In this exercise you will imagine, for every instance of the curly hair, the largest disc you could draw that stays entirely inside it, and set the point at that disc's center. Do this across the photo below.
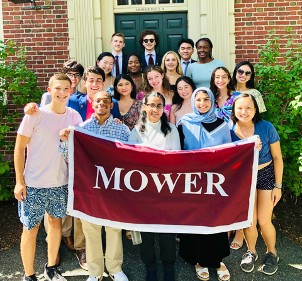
(164, 127)
(214, 88)
(178, 67)
(165, 84)
(145, 33)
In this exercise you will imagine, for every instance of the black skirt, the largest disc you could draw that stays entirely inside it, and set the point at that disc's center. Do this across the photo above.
(207, 250)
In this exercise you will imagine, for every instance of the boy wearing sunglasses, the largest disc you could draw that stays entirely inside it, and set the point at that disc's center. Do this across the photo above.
(149, 40)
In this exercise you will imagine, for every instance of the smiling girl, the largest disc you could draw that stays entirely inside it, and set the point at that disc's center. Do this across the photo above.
(155, 80)
(182, 99)
(172, 68)
(223, 89)
(246, 123)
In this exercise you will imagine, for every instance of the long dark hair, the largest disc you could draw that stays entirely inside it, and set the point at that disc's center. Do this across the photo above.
(116, 94)
(249, 84)
(101, 56)
(177, 99)
(133, 54)
(214, 88)
(165, 127)
(210, 43)
(256, 117)
(147, 87)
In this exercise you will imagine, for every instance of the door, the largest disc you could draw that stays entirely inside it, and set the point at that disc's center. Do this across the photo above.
(171, 27)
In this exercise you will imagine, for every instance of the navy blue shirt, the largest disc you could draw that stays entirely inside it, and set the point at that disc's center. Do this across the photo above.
(268, 135)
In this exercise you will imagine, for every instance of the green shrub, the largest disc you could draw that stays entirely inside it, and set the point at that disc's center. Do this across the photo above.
(18, 86)
(280, 82)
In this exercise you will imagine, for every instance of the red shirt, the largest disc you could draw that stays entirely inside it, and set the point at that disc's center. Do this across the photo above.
(89, 110)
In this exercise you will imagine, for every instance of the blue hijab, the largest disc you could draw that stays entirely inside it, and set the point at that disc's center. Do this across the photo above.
(196, 117)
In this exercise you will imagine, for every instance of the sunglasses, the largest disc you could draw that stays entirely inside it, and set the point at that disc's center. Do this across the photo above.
(241, 72)
(147, 40)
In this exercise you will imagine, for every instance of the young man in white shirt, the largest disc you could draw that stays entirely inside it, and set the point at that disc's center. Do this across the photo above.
(149, 40)
(185, 50)
(120, 60)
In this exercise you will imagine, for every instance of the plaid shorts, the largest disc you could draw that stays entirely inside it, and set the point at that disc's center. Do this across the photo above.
(266, 178)
(53, 200)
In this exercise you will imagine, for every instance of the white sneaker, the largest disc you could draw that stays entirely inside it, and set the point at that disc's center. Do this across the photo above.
(92, 278)
(120, 276)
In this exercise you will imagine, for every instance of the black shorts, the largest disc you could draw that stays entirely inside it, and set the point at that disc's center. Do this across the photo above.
(266, 178)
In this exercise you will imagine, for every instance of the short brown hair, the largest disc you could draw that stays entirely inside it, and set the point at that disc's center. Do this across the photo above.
(94, 69)
(119, 34)
(72, 65)
(60, 77)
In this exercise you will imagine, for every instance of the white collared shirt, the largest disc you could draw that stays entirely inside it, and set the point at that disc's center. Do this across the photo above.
(120, 64)
(183, 65)
(153, 57)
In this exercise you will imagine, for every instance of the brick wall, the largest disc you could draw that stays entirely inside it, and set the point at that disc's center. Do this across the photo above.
(253, 18)
(44, 32)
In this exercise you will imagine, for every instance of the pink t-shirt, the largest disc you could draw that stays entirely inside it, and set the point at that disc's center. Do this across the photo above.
(45, 166)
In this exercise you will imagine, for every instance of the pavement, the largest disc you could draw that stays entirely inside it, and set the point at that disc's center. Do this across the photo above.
(290, 264)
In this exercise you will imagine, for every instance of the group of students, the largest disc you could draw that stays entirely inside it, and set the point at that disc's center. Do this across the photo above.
(166, 102)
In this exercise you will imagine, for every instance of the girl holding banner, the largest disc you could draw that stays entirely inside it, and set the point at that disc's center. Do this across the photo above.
(154, 129)
(246, 123)
(201, 250)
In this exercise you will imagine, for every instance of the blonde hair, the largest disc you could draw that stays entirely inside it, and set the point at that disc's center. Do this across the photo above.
(178, 67)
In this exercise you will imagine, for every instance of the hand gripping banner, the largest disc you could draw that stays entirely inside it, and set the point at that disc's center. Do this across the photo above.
(140, 188)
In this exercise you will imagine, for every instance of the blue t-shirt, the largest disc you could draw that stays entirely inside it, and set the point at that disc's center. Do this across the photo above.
(267, 134)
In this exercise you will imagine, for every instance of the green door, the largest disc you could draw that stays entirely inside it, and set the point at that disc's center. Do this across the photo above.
(171, 27)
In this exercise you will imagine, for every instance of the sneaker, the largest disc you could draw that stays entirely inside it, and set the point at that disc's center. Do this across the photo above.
(92, 278)
(120, 276)
(30, 278)
(270, 265)
(248, 260)
(52, 273)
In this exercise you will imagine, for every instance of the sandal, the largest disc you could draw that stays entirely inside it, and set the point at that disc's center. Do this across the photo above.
(235, 245)
(222, 273)
(199, 271)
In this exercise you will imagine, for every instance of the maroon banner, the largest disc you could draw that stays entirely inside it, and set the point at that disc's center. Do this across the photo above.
(141, 188)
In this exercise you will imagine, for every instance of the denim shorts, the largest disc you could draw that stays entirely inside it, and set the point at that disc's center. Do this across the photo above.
(52, 200)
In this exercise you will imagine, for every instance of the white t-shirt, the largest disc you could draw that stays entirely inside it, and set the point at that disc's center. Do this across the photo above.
(45, 166)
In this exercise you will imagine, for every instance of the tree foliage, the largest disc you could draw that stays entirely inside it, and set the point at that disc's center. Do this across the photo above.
(18, 85)
(280, 82)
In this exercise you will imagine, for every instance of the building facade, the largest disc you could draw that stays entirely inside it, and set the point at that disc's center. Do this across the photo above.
(81, 29)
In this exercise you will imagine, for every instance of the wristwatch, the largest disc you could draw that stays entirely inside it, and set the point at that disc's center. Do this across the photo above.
(278, 185)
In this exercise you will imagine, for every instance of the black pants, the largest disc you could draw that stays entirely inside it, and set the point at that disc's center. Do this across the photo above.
(167, 246)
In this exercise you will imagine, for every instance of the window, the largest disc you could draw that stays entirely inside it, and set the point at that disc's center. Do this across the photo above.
(147, 2)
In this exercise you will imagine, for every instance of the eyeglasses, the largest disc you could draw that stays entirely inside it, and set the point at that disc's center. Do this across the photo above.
(75, 75)
(158, 106)
(147, 40)
(241, 72)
